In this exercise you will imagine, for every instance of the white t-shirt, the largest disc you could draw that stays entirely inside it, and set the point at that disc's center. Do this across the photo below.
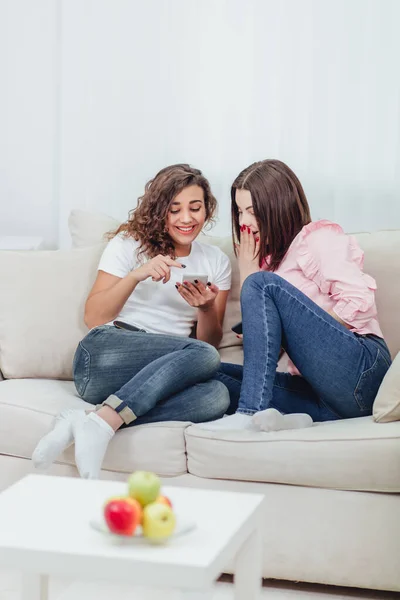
(158, 307)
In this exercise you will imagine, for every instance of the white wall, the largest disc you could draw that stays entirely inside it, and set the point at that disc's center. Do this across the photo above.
(124, 87)
(28, 153)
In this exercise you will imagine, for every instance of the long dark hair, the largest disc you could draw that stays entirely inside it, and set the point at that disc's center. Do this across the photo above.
(146, 223)
(280, 207)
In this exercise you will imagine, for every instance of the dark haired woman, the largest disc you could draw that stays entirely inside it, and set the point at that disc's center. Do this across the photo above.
(145, 368)
(304, 291)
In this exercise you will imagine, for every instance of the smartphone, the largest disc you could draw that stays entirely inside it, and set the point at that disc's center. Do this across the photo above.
(127, 326)
(237, 328)
(191, 278)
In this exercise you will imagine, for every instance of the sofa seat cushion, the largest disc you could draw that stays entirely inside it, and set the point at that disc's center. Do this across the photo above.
(353, 454)
(27, 409)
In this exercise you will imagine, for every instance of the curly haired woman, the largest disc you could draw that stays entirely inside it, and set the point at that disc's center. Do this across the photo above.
(138, 364)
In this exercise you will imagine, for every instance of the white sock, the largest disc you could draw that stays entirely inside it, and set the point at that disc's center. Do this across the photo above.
(57, 440)
(231, 423)
(272, 420)
(92, 436)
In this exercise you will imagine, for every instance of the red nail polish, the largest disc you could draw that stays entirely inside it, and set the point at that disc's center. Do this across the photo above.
(257, 239)
(248, 230)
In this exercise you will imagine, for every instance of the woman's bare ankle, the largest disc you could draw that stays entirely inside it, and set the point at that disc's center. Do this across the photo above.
(110, 416)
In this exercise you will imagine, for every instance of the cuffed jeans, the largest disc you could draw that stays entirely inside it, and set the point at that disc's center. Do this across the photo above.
(148, 377)
(341, 371)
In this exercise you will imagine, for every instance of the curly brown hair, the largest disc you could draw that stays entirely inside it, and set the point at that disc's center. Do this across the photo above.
(147, 222)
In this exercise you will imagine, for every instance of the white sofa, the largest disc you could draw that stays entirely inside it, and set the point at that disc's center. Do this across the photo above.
(332, 513)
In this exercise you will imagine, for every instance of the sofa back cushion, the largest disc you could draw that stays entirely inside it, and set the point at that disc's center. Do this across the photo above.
(89, 228)
(387, 401)
(382, 261)
(41, 310)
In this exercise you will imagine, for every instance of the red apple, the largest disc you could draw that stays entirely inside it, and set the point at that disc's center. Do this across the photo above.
(122, 515)
(164, 500)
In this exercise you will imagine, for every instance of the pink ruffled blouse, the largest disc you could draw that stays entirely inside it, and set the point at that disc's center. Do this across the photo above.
(326, 265)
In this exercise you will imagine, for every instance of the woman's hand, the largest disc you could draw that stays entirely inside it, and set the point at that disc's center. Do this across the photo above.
(157, 268)
(248, 253)
(198, 295)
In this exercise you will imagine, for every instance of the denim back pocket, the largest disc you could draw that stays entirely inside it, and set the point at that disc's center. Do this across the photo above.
(369, 382)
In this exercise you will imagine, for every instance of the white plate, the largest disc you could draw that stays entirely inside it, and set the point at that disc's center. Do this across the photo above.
(182, 528)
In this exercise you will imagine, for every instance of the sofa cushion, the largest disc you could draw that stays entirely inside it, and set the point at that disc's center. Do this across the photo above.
(387, 401)
(89, 228)
(41, 310)
(381, 254)
(27, 409)
(353, 454)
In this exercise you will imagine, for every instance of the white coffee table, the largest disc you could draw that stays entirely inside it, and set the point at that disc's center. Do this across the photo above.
(44, 531)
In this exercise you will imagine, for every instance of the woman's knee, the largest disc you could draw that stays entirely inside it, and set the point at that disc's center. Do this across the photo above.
(222, 393)
(88, 376)
(81, 369)
(214, 403)
(257, 281)
(208, 357)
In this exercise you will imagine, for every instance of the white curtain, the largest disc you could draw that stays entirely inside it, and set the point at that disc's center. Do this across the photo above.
(220, 84)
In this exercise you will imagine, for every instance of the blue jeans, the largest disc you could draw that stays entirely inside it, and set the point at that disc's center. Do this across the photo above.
(341, 371)
(148, 378)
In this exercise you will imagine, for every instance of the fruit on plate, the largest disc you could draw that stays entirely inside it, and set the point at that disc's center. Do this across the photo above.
(144, 487)
(122, 515)
(164, 500)
(158, 521)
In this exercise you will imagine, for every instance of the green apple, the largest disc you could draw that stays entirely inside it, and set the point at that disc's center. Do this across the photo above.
(158, 522)
(144, 487)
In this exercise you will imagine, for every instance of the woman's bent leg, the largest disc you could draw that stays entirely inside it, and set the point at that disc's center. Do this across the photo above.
(290, 394)
(133, 372)
(231, 376)
(106, 361)
(331, 359)
(159, 366)
(343, 370)
(199, 403)
(294, 403)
